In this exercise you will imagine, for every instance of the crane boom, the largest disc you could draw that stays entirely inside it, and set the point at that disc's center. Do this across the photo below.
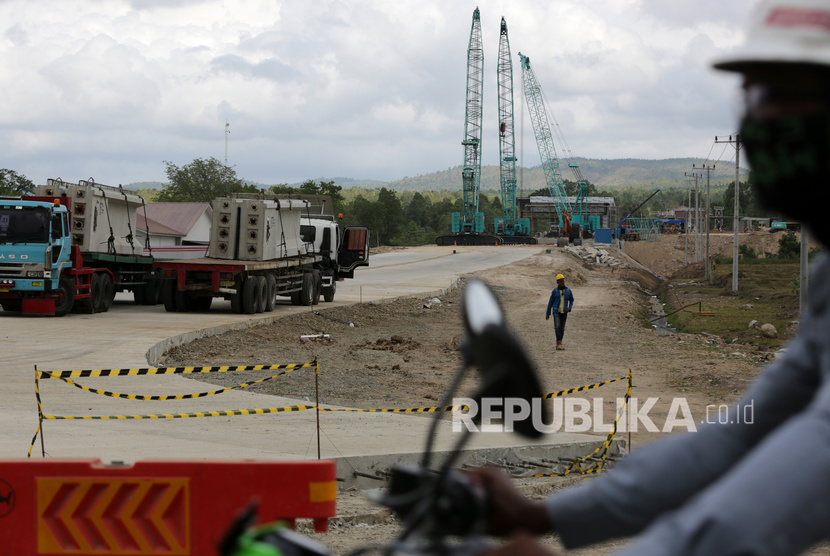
(470, 219)
(544, 140)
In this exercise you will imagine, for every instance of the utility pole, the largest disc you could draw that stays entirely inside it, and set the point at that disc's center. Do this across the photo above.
(708, 272)
(227, 134)
(686, 224)
(695, 176)
(736, 221)
(698, 249)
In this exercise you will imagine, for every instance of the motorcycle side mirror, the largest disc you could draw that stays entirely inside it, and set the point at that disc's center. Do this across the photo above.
(506, 372)
(481, 308)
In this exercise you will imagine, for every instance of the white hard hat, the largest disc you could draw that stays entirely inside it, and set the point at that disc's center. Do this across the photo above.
(784, 31)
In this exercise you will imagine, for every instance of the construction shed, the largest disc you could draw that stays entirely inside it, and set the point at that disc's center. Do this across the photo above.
(542, 211)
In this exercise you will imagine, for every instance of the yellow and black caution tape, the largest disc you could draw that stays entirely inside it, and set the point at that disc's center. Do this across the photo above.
(196, 414)
(582, 388)
(39, 414)
(173, 396)
(410, 410)
(97, 373)
(464, 407)
(601, 453)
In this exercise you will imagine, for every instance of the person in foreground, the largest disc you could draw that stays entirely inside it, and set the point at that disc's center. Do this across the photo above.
(561, 303)
(759, 484)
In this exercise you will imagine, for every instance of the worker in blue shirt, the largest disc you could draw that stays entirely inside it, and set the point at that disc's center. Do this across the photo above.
(560, 304)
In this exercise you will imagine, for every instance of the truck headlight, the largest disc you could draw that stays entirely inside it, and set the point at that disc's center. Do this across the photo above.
(34, 274)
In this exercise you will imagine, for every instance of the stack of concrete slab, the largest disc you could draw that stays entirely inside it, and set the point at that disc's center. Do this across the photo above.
(270, 229)
(103, 217)
(595, 256)
(224, 229)
(256, 229)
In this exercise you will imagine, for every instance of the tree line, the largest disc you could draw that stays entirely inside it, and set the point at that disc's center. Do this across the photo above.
(406, 218)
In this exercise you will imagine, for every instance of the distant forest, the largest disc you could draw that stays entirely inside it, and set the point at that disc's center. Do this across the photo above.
(415, 210)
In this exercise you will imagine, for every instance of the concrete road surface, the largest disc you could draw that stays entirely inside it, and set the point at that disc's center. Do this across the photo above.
(128, 334)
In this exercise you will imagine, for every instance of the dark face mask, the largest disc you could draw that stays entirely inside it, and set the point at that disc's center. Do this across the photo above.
(790, 159)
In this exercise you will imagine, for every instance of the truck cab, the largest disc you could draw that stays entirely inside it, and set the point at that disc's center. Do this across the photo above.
(342, 252)
(34, 249)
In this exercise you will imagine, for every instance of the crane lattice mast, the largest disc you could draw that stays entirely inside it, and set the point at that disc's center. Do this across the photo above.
(510, 225)
(471, 220)
(544, 140)
(507, 142)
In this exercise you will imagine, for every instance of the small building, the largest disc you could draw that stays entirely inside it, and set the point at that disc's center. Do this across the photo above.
(176, 230)
(682, 213)
(542, 211)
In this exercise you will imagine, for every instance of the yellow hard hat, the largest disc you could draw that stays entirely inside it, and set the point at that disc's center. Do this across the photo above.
(560, 277)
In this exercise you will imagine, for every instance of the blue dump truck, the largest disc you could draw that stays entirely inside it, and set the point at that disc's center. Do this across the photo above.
(71, 246)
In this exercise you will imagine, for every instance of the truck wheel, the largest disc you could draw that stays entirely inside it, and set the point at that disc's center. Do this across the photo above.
(307, 291)
(88, 305)
(151, 289)
(236, 301)
(249, 297)
(261, 294)
(318, 287)
(296, 298)
(107, 293)
(328, 293)
(271, 285)
(169, 295)
(158, 283)
(148, 293)
(139, 295)
(66, 296)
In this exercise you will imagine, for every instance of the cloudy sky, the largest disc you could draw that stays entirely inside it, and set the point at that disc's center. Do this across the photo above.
(367, 89)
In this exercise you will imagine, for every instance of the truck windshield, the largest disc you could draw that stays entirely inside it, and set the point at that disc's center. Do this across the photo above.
(24, 225)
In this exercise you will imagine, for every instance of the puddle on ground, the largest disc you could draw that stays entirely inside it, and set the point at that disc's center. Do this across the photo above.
(658, 317)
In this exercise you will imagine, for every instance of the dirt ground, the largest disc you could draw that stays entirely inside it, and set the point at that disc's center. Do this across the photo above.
(403, 354)
(669, 255)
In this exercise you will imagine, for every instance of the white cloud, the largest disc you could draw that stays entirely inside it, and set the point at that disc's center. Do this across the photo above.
(360, 88)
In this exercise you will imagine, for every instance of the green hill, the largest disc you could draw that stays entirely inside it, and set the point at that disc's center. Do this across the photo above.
(606, 174)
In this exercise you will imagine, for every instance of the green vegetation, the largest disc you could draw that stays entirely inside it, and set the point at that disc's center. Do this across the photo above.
(203, 180)
(767, 292)
(310, 187)
(12, 183)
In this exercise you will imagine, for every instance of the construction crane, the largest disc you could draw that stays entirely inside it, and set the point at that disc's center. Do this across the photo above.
(510, 227)
(550, 162)
(468, 225)
(619, 230)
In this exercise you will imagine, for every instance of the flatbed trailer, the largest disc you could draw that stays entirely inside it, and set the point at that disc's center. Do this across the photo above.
(253, 286)
(250, 286)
